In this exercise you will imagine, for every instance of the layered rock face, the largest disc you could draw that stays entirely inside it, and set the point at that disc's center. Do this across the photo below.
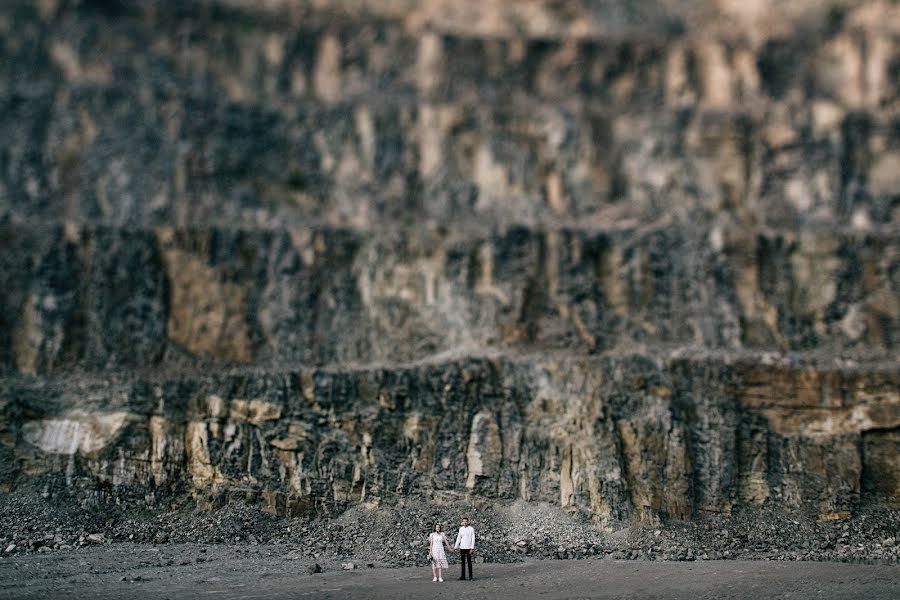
(637, 260)
(614, 438)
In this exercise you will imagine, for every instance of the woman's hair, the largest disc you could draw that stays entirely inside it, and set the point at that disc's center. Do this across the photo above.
(436, 525)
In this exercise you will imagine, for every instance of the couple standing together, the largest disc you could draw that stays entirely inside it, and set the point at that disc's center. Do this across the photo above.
(465, 543)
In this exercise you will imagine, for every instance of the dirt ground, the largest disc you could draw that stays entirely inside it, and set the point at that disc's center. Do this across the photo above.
(225, 573)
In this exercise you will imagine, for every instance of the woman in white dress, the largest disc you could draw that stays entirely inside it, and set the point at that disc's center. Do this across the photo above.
(436, 542)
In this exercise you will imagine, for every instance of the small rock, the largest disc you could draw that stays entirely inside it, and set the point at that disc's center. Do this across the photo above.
(349, 566)
(95, 538)
(10, 549)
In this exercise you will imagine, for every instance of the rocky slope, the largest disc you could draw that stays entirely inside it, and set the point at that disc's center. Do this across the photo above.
(638, 260)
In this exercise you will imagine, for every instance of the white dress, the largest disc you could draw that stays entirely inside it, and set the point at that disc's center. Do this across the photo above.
(438, 557)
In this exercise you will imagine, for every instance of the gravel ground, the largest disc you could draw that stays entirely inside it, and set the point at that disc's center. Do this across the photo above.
(266, 571)
(395, 536)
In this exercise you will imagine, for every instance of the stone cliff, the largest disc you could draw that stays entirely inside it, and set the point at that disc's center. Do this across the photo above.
(638, 260)
(614, 438)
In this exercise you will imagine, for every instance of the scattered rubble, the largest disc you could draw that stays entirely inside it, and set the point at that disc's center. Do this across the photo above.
(396, 536)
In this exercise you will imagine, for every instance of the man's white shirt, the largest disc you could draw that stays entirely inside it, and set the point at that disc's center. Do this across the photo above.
(465, 539)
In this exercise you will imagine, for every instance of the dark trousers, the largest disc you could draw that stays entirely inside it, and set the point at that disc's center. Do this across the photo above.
(465, 556)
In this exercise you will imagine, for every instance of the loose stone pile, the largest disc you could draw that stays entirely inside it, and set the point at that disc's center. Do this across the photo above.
(396, 536)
